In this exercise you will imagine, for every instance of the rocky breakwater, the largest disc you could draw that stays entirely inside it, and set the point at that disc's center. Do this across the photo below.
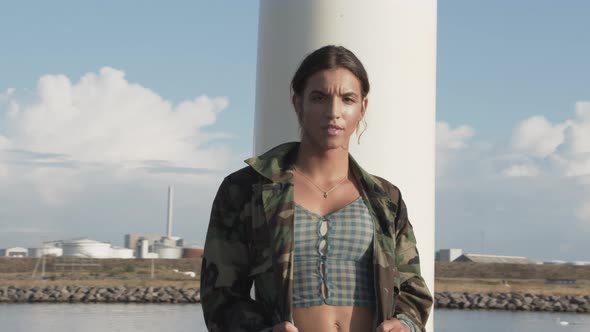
(513, 301)
(82, 294)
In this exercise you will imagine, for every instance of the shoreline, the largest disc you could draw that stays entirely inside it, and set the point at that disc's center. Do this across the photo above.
(460, 286)
(513, 302)
(191, 295)
(90, 294)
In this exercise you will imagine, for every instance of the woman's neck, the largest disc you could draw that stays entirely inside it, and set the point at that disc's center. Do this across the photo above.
(322, 165)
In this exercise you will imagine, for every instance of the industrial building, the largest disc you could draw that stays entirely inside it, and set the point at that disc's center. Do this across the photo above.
(475, 258)
(158, 246)
(121, 252)
(94, 249)
(448, 255)
(14, 252)
(192, 251)
(136, 245)
(45, 251)
(131, 240)
(144, 250)
(560, 262)
(86, 248)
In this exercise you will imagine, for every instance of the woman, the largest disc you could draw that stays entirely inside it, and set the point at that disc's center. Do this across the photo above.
(328, 246)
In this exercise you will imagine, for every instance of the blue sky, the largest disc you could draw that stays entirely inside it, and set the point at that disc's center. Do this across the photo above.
(502, 61)
(512, 159)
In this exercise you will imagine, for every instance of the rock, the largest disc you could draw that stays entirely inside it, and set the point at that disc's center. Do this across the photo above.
(443, 302)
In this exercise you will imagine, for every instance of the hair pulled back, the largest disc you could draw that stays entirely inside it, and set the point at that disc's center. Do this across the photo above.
(329, 57)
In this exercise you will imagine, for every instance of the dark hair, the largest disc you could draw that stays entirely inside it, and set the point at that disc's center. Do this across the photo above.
(329, 57)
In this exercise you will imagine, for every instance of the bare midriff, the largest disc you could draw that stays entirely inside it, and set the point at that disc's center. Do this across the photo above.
(331, 318)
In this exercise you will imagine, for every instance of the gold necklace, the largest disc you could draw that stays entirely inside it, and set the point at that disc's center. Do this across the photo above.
(325, 192)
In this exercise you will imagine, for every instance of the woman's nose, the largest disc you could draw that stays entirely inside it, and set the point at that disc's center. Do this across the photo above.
(334, 108)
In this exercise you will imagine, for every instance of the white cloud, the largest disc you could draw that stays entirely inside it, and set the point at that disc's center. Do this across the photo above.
(5, 95)
(566, 145)
(104, 122)
(449, 142)
(448, 138)
(522, 170)
(562, 147)
(476, 189)
(538, 137)
(580, 129)
(4, 145)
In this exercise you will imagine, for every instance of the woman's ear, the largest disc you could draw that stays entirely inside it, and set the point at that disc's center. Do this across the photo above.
(365, 106)
(298, 107)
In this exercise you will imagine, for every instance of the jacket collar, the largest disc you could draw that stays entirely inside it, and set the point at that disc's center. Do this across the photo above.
(276, 162)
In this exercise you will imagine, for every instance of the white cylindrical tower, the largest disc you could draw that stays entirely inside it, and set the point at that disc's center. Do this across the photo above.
(396, 41)
(169, 224)
(86, 248)
(143, 248)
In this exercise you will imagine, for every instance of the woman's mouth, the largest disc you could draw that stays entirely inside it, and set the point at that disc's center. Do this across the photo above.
(333, 130)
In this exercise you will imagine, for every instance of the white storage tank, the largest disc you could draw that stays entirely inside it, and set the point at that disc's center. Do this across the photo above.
(15, 252)
(581, 263)
(86, 248)
(167, 252)
(119, 252)
(45, 251)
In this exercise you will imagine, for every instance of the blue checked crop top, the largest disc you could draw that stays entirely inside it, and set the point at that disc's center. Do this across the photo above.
(345, 269)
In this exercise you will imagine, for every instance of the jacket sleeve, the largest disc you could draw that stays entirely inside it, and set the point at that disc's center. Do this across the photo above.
(225, 283)
(414, 301)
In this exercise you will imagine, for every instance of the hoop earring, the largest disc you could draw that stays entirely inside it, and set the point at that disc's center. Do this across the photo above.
(358, 136)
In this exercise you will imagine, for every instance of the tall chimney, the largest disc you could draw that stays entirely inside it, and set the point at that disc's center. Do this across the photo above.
(170, 197)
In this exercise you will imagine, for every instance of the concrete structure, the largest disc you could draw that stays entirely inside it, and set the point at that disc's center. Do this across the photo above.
(86, 248)
(475, 258)
(396, 41)
(168, 248)
(120, 252)
(132, 239)
(14, 252)
(46, 251)
(554, 262)
(580, 263)
(448, 255)
(48, 248)
(166, 252)
(94, 249)
(143, 250)
(560, 262)
(192, 251)
(169, 224)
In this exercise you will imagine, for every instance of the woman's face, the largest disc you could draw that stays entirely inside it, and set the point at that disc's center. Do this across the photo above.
(330, 108)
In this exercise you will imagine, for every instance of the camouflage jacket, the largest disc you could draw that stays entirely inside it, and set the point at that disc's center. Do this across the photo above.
(250, 240)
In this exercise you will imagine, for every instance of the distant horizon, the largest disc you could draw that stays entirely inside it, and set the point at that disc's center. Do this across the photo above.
(188, 244)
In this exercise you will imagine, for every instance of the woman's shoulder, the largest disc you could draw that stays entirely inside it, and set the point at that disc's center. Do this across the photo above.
(244, 176)
(236, 188)
(388, 188)
(240, 182)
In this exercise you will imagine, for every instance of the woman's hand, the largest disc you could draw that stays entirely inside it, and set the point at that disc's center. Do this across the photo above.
(284, 327)
(392, 325)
